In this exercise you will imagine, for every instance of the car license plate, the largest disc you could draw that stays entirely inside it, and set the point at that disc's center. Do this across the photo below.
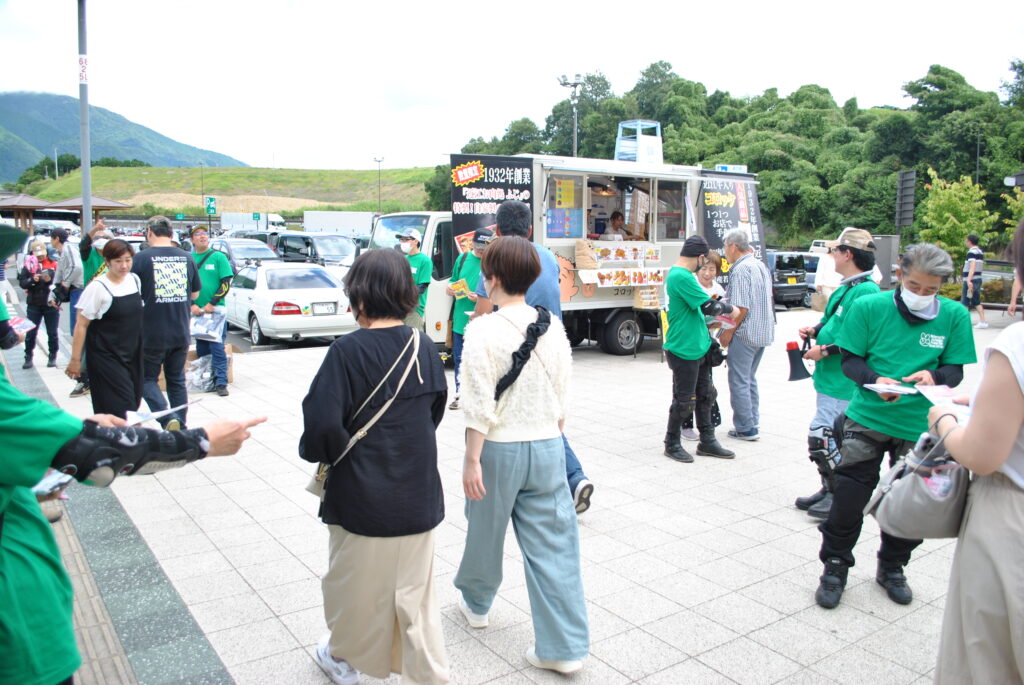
(324, 308)
(791, 280)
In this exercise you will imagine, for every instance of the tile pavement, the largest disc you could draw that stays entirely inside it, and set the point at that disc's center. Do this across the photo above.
(699, 573)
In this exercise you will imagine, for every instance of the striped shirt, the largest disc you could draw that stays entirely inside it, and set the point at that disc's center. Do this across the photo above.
(974, 254)
(750, 287)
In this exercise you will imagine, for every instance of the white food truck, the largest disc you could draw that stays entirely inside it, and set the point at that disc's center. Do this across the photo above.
(573, 200)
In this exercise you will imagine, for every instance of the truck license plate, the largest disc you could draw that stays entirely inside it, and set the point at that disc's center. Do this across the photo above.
(791, 280)
(324, 308)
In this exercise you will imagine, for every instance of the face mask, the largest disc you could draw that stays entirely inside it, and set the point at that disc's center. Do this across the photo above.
(915, 302)
(405, 246)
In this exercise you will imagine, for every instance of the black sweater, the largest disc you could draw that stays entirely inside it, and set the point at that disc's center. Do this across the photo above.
(388, 484)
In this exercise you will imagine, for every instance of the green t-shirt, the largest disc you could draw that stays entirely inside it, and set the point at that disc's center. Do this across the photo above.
(92, 265)
(422, 270)
(894, 348)
(687, 336)
(37, 640)
(467, 266)
(829, 378)
(214, 269)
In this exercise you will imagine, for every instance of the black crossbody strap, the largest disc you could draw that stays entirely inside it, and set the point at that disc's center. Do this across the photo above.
(523, 354)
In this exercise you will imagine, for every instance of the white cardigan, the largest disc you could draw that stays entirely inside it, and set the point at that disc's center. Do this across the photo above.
(530, 408)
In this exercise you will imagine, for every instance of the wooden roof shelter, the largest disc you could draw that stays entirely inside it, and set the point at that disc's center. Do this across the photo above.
(22, 208)
(99, 204)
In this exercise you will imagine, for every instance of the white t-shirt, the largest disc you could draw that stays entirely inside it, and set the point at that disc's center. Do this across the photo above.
(714, 290)
(96, 300)
(1011, 343)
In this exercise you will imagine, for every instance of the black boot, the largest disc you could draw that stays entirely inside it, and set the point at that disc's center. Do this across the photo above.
(28, 362)
(821, 508)
(833, 582)
(710, 447)
(674, 450)
(52, 361)
(805, 503)
(890, 576)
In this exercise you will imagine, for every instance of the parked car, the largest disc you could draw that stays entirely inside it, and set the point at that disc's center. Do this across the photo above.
(288, 301)
(789, 276)
(336, 252)
(811, 267)
(243, 250)
(265, 237)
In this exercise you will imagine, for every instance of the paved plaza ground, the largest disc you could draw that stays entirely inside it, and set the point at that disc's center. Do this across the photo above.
(693, 573)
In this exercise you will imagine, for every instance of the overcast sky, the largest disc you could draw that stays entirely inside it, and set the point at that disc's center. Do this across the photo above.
(333, 84)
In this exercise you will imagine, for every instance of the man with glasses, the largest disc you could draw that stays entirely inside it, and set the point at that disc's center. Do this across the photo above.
(215, 276)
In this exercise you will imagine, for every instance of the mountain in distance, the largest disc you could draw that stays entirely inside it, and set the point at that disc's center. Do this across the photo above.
(33, 124)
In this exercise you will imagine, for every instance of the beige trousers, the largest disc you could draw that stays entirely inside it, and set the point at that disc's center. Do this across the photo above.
(983, 626)
(380, 606)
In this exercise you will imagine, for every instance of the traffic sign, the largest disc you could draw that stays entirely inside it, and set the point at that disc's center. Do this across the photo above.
(179, 216)
(211, 205)
(255, 216)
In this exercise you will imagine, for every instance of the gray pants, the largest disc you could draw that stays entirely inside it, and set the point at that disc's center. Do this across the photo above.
(743, 362)
(525, 481)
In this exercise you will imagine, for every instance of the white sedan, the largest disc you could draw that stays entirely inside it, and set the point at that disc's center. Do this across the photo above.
(288, 301)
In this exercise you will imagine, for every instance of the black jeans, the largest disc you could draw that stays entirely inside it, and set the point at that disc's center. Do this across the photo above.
(172, 360)
(693, 394)
(49, 315)
(856, 478)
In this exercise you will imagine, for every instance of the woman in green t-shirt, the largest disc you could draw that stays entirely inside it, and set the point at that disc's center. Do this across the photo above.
(467, 268)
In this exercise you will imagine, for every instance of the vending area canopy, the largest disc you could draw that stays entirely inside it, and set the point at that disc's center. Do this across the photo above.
(99, 204)
(22, 207)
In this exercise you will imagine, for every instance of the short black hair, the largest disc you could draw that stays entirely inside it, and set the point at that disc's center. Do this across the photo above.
(161, 226)
(616, 215)
(60, 234)
(514, 219)
(380, 286)
(862, 259)
(512, 260)
(973, 239)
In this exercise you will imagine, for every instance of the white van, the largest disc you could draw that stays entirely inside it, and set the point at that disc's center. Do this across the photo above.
(574, 198)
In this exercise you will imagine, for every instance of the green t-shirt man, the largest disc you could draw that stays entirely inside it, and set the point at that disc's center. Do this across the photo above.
(829, 378)
(895, 348)
(687, 336)
(213, 267)
(37, 639)
(467, 267)
(422, 270)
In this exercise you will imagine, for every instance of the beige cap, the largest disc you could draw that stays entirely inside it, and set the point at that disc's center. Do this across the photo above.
(853, 237)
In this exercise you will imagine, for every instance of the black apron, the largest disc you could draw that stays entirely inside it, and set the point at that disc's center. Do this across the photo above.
(113, 345)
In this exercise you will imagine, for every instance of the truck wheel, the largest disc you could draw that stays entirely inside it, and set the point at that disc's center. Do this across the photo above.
(621, 335)
(255, 332)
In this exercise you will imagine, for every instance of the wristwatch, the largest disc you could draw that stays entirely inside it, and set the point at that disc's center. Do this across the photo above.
(824, 350)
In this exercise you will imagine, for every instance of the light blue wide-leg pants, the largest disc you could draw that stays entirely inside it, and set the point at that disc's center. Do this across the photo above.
(525, 481)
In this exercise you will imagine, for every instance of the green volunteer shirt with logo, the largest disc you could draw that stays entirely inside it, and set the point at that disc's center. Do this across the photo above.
(829, 378)
(894, 348)
(422, 269)
(213, 268)
(467, 267)
(687, 336)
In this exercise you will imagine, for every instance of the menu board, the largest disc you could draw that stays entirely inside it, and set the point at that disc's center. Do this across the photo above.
(624, 252)
(565, 223)
(725, 204)
(565, 193)
(482, 182)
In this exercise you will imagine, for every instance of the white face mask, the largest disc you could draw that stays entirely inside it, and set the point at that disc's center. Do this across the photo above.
(405, 246)
(99, 244)
(915, 302)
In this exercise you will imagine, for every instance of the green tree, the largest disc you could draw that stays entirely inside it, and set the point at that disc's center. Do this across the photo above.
(951, 211)
(1015, 208)
(439, 189)
(1015, 89)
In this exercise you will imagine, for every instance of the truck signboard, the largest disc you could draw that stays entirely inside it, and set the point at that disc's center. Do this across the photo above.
(725, 203)
(482, 182)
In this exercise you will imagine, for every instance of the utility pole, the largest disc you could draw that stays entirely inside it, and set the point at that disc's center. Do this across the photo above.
(56, 170)
(574, 98)
(378, 160)
(977, 158)
(83, 109)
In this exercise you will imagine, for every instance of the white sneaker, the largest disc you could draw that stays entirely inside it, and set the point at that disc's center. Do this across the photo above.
(689, 434)
(981, 324)
(474, 620)
(339, 672)
(564, 667)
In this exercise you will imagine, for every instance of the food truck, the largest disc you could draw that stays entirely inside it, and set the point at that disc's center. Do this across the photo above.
(611, 289)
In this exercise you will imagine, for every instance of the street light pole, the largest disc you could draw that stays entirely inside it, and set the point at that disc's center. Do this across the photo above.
(378, 160)
(202, 191)
(83, 111)
(574, 99)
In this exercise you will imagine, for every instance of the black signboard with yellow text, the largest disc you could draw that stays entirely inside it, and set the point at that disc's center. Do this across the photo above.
(726, 203)
(482, 182)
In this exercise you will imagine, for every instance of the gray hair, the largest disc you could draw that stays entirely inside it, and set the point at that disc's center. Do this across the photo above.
(737, 237)
(928, 259)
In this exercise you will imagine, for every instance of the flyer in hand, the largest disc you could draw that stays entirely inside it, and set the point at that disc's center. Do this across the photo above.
(21, 325)
(460, 289)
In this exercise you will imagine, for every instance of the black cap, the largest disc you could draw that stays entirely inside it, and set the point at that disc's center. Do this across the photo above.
(695, 246)
(482, 236)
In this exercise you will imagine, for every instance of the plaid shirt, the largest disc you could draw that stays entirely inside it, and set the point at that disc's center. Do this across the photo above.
(750, 287)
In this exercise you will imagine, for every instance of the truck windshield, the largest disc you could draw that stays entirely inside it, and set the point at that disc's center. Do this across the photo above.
(335, 246)
(385, 233)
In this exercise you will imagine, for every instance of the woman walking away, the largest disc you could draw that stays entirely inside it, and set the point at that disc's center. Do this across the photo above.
(375, 404)
(35, 278)
(516, 366)
(983, 625)
(109, 328)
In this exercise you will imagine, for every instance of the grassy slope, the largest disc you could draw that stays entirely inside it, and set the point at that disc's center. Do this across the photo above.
(339, 187)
